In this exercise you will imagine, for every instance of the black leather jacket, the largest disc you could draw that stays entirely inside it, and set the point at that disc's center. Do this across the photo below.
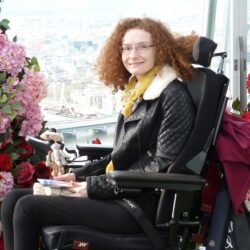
(148, 140)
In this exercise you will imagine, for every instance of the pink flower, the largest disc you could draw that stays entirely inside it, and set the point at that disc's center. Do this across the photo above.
(6, 183)
(35, 88)
(3, 40)
(12, 58)
(21, 90)
(25, 173)
(4, 122)
(32, 123)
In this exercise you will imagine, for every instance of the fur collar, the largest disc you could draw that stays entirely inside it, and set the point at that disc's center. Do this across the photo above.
(165, 76)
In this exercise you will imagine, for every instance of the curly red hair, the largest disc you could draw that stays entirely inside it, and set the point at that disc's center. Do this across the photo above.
(171, 50)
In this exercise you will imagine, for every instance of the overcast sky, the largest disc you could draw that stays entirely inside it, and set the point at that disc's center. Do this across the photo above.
(172, 12)
(169, 7)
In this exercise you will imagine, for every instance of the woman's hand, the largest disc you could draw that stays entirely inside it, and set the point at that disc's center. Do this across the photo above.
(66, 177)
(79, 189)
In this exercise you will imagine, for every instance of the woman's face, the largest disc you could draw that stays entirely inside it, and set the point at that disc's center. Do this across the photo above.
(138, 52)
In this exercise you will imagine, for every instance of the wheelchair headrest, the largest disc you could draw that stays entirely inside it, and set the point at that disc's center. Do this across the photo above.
(203, 50)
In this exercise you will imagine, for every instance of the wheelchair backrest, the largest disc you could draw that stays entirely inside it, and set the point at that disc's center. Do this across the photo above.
(208, 90)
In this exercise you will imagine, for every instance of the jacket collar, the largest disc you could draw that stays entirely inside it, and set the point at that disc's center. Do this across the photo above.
(165, 76)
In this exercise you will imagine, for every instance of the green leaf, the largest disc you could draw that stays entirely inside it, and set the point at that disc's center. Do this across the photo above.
(7, 90)
(12, 115)
(6, 21)
(11, 95)
(236, 104)
(4, 25)
(36, 68)
(3, 98)
(17, 106)
(19, 87)
(2, 77)
(14, 156)
(11, 80)
(33, 64)
(22, 151)
(34, 61)
(35, 158)
(14, 39)
(7, 109)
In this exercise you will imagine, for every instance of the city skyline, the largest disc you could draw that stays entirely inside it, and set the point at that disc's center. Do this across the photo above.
(66, 35)
(67, 47)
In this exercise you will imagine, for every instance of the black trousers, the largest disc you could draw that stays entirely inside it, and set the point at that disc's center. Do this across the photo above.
(24, 214)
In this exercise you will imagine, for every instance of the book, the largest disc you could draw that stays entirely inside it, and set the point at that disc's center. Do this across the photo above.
(54, 183)
(52, 187)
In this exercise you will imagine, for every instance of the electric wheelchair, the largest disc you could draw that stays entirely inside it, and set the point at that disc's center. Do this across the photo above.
(181, 222)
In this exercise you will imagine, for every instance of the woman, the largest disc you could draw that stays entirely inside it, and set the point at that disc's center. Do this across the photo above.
(149, 64)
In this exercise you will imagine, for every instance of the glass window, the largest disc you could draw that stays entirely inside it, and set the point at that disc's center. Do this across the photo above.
(66, 35)
(221, 34)
(230, 34)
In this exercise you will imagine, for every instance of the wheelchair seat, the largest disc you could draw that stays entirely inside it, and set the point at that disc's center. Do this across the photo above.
(179, 186)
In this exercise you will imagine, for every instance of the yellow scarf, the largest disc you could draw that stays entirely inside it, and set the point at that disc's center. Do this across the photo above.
(133, 90)
(131, 93)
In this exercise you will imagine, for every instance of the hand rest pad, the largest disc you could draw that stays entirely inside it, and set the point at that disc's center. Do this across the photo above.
(38, 143)
(94, 150)
(183, 182)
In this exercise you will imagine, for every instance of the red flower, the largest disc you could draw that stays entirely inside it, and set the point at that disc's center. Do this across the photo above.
(248, 83)
(42, 171)
(25, 150)
(248, 87)
(4, 143)
(96, 141)
(246, 116)
(25, 174)
(28, 184)
(5, 162)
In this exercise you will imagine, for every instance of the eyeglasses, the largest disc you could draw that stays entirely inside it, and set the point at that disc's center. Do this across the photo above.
(139, 48)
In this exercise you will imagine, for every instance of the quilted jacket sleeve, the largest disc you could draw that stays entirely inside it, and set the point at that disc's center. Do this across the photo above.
(99, 187)
(94, 168)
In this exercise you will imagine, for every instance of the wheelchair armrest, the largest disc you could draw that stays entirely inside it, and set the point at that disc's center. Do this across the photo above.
(93, 150)
(38, 144)
(139, 180)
